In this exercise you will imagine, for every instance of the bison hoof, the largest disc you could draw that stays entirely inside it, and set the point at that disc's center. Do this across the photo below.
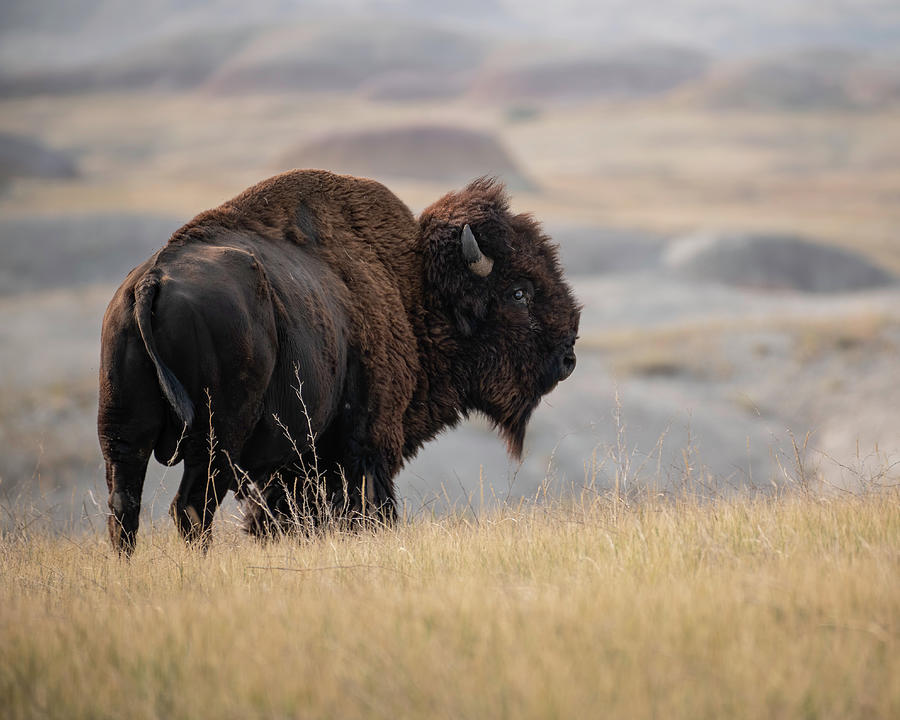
(123, 523)
(123, 540)
(190, 525)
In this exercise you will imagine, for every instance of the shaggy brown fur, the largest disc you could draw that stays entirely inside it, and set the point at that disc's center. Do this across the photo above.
(329, 279)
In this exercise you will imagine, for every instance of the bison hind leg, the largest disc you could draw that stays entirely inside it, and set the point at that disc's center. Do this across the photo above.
(125, 481)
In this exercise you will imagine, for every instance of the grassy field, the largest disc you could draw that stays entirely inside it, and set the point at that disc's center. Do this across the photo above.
(762, 607)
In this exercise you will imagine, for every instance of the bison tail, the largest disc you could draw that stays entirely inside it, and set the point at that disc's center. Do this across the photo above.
(144, 295)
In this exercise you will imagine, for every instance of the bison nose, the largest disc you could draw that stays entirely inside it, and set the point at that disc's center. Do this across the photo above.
(567, 364)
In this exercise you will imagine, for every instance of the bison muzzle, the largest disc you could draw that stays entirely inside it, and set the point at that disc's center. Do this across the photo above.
(313, 322)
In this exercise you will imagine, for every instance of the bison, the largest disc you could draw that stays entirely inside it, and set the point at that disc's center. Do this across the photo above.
(389, 328)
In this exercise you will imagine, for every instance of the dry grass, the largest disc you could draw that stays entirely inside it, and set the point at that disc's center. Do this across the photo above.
(741, 607)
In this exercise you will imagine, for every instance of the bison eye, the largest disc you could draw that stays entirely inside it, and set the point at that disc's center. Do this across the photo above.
(520, 295)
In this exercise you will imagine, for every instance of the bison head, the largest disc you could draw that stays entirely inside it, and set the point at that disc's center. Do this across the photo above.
(496, 277)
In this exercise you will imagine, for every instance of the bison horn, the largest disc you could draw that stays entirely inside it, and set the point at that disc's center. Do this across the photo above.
(479, 263)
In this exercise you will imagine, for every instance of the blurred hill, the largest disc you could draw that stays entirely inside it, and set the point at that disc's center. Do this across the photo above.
(501, 51)
(44, 252)
(22, 156)
(342, 55)
(449, 155)
(46, 33)
(810, 79)
(773, 262)
(55, 35)
(629, 72)
(329, 56)
(171, 63)
(415, 85)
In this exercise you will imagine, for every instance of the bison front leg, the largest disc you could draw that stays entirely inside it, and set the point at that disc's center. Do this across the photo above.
(371, 500)
(269, 511)
(380, 503)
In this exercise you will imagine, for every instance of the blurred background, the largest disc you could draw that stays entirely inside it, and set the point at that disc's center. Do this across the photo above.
(723, 179)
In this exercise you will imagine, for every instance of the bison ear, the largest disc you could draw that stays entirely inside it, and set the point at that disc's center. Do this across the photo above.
(451, 281)
(469, 309)
(464, 321)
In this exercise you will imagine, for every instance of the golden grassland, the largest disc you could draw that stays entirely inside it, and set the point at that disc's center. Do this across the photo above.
(781, 606)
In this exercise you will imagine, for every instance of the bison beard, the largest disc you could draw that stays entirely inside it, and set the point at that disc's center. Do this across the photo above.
(324, 286)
